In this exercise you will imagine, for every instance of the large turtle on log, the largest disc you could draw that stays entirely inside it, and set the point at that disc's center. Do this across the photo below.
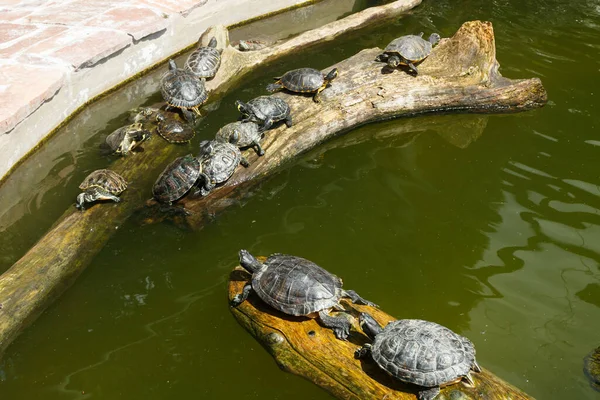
(204, 62)
(102, 184)
(219, 160)
(182, 89)
(408, 50)
(178, 178)
(419, 352)
(304, 80)
(265, 110)
(242, 134)
(297, 286)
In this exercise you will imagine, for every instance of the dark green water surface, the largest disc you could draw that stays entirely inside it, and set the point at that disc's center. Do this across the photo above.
(498, 240)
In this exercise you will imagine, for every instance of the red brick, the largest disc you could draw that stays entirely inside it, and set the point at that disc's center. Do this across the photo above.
(70, 13)
(23, 89)
(81, 46)
(139, 22)
(171, 6)
(18, 46)
(9, 15)
(10, 32)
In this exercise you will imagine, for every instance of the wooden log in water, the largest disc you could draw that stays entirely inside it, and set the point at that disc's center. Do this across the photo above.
(303, 347)
(55, 261)
(460, 75)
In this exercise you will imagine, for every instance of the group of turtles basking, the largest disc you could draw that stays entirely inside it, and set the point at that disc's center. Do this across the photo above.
(414, 351)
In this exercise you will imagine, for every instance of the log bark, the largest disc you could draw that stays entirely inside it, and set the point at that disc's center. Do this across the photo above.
(460, 75)
(301, 346)
(53, 263)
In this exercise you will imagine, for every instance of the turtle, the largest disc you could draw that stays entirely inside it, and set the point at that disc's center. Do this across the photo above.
(102, 184)
(265, 110)
(304, 80)
(181, 175)
(419, 352)
(172, 130)
(183, 90)
(219, 160)
(204, 61)
(252, 44)
(242, 134)
(408, 50)
(143, 114)
(299, 287)
(126, 138)
(591, 368)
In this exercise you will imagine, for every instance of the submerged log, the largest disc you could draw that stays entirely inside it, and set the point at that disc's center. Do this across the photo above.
(303, 347)
(53, 263)
(460, 75)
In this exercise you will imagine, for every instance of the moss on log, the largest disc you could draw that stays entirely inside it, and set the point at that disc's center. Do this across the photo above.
(53, 263)
(460, 75)
(303, 347)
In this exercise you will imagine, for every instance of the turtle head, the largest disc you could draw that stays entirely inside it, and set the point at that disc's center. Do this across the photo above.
(242, 107)
(172, 65)
(249, 262)
(213, 42)
(331, 75)
(393, 61)
(159, 117)
(369, 326)
(434, 38)
(206, 148)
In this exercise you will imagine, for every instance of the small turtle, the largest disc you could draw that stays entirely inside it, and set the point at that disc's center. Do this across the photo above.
(265, 110)
(102, 184)
(242, 134)
(408, 50)
(143, 114)
(204, 61)
(252, 45)
(181, 89)
(172, 130)
(126, 138)
(304, 80)
(419, 352)
(591, 368)
(181, 175)
(219, 160)
(296, 286)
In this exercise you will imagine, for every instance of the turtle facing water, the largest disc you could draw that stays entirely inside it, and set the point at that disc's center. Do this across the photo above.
(102, 184)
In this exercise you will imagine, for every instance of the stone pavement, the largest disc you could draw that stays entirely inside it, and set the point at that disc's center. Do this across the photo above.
(57, 54)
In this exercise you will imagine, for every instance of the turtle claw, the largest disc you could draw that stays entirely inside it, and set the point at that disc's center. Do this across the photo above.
(341, 333)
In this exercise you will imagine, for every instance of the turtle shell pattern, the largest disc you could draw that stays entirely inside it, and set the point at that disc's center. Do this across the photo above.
(204, 62)
(177, 179)
(248, 133)
(105, 179)
(410, 47)
(422, 352)
(269, 106)
(221, 162)
(296, 286)
(302, 80)
(174, 131)
(180, 88)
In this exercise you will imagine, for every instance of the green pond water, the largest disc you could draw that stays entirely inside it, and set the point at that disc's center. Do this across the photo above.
(498, 240)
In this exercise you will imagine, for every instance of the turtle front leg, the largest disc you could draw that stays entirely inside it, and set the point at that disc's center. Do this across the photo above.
(363, 352)
(244, 162)
(340, 325)
(288, 121)
(188, 115)
(258, 148)
(317, 96)
(429, 394)
(267, 124)
(356, 299)
(240, 297)
(412, 66)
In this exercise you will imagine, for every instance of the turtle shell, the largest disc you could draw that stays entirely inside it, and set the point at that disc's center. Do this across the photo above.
(422, 352)
(204, 62)
(181, 88)
(219, 160)
(296, 286)
(269, 106)
(174, 131)
(248, 133)
(105, 179)
(302, 80)
(591, 367)
(133, 132)
(410, 47)
(177, 179)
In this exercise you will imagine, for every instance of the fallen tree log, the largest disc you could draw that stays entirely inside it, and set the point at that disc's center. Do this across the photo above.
(53, 263)
(460, 75)
(303, 347)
